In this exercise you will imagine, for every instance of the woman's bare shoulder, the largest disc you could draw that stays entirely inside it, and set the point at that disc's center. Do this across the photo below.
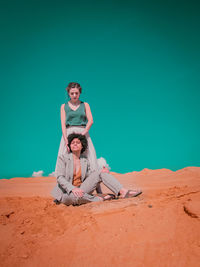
(86, 104)
(62, 107)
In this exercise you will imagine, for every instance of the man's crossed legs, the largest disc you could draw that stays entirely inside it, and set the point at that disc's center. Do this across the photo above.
(89, 185)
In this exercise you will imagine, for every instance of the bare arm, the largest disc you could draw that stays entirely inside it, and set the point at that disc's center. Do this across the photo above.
(63, 121)
(89, 118)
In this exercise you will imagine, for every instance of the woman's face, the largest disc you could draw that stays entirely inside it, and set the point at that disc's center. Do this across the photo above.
(76, 145)
(74, 94)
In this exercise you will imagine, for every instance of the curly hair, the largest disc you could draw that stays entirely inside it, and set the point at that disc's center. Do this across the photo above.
(81, 137)
(74, 85)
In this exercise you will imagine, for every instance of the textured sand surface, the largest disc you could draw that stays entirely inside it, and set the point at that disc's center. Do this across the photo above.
(159, 228)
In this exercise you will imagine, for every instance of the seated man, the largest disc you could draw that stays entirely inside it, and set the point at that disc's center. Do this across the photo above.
(75, 181)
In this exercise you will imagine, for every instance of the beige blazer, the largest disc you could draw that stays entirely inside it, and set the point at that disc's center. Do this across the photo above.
(64, 174)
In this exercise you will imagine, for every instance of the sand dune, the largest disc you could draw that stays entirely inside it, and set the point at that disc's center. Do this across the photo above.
(159, 228)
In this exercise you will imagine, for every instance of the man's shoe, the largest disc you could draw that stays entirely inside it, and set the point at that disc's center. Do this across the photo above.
(57, 202)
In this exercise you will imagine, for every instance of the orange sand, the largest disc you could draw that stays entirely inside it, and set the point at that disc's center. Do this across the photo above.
(159, 228)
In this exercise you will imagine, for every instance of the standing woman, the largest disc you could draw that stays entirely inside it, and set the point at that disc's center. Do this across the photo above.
(76, 117)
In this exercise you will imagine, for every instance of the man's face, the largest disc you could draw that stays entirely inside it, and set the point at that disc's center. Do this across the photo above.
(76, 145)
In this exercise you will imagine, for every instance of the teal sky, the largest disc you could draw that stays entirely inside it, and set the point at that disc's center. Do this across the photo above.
(138, 63)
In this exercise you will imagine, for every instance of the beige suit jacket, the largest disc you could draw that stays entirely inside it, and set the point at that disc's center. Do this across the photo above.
(64, 174)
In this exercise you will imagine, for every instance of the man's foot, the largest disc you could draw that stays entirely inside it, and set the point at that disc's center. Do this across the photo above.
(130, 193)
(106, 197)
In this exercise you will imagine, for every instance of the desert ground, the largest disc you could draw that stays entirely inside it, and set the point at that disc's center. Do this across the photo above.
(161, 227)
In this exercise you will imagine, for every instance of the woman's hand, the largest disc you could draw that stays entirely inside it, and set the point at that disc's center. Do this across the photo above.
(89, 118)
(84, 132)
(66, 143)
(77, 192)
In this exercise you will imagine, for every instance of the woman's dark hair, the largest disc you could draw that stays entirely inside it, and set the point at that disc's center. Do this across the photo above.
(74, 85)
(81, 137)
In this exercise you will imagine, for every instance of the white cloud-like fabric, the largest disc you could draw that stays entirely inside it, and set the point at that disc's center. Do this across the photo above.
(102, 163)
(37, 174)
(52, 174)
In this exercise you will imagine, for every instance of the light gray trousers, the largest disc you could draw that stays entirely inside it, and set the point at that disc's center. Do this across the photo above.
(89, 185)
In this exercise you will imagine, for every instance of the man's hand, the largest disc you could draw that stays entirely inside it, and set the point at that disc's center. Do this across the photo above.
(77, 192)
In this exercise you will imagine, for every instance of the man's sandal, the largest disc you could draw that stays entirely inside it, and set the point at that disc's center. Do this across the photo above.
(134, 194)
(107, 196)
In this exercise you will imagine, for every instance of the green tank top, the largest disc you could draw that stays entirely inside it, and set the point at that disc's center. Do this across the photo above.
(77, 117)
